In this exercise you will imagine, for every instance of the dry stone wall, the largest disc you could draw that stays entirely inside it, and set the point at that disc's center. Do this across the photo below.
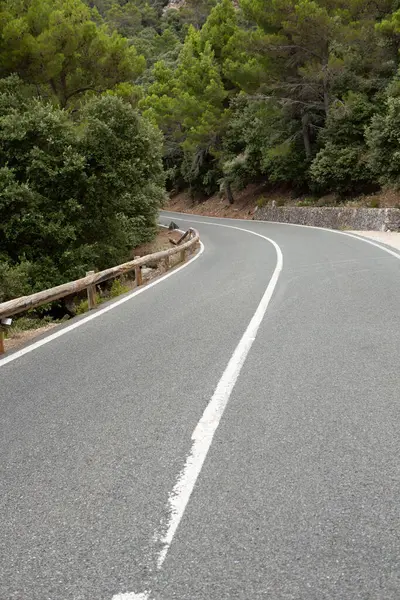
(362, 219)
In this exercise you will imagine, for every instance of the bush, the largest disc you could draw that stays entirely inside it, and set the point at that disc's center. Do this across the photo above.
(82, 307)
(118, 288)
(383, 138)
(342, 163)
(74, 195)
(307, 202)
(343, 169)
(261, 140)
(261, 201)
(14, 280)
(125, 179)
(374, 203)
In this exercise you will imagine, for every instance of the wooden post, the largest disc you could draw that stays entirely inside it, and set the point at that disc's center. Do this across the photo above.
(183, 255)
(2, 348)
(166, 263)
(138, 276)
(91, 293)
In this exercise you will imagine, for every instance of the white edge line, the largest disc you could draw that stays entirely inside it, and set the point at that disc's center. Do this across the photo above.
(337, 231)
(98, 313)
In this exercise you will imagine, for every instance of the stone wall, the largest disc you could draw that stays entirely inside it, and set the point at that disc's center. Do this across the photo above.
(362, 219)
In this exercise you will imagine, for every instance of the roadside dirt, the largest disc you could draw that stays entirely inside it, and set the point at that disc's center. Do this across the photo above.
(243, 208)
(254, 195)
(20, 338)
(161, 242)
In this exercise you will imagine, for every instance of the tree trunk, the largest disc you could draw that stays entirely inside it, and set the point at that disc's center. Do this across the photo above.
(54, 87)
(305, 119)
(63, 86)
(229, 193)
(325, 85)
(326, 101)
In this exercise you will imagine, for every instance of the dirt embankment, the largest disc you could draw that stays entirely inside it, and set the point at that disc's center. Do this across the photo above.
(161, 242)
(243, 208)
(254, 196)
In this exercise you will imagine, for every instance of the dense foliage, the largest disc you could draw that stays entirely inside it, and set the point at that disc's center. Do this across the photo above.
(294, 92)
(100, 98)
(74, 195)
(81, 173)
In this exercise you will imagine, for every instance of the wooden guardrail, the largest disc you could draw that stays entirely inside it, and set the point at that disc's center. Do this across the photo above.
(24, 303)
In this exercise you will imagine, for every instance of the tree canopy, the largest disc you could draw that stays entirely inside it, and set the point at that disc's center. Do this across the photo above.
(74, 195)
(299, 71)
(56, 43)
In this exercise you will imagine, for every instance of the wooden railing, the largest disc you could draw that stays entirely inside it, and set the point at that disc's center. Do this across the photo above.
(88, 283)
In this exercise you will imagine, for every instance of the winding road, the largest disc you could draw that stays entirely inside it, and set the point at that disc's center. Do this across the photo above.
(229, 433)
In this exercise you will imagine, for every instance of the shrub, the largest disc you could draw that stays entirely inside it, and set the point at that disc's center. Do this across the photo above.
(14, 280)
(82, 307)
(261, 201)
(341, 168)
(342, 163)
(374, 203)
(307, 202)
(74, 195)
(118, 288)
(383, 138)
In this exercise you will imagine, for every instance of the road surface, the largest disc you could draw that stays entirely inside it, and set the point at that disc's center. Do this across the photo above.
(231, 433)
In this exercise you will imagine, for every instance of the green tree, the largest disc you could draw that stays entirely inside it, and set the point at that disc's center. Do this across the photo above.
(124, 178)
(298, 38)
(74, 195)
(57, 44)
(195, 12)
(220, 27)
(261, 140)
(126, 19)
(383, 137)
(191, 102)
(157, 46)
(189, 107)
(342, 164)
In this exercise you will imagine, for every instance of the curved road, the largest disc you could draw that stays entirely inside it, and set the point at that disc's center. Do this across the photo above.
(194, 444)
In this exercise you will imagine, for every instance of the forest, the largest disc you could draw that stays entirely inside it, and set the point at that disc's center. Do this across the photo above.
(108, 105)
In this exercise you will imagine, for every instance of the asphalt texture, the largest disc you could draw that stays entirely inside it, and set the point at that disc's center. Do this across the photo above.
(299, 496)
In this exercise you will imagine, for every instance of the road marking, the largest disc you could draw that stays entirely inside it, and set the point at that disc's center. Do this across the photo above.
(96, 314)
(132, 596)
(363, 239)
(355, 236)
(203, 434)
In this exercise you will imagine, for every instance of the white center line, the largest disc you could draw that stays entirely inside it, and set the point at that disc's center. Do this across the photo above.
(208, 424)
(204, 432)
(132, 596)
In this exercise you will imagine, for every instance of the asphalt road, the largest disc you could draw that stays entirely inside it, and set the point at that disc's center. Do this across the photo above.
(299, 495)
